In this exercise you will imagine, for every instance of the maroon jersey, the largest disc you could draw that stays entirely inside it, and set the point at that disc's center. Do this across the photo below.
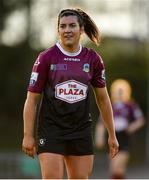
(124, 114)
(64, 79)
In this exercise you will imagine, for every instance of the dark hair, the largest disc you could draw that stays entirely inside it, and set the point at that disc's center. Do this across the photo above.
(84, 20)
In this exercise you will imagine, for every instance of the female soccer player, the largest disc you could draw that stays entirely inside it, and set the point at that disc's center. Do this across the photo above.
(59, 85)
(128, 119)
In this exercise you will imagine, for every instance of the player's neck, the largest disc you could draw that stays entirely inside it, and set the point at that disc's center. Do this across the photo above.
(71, 49)
(67, 52)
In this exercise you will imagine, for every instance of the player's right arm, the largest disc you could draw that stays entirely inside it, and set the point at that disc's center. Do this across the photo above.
(29, 114)
(36, 86)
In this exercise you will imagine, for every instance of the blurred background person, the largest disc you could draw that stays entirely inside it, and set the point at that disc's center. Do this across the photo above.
(128, 119)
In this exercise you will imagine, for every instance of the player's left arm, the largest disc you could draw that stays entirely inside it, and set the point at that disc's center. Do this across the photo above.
(104, 105)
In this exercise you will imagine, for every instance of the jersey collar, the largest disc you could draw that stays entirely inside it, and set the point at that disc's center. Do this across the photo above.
(69, 53)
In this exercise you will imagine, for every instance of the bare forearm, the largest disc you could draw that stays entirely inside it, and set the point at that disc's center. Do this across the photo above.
(104, 105)
(29, 118)
(133, 127)
(29, 112)
(107, 115)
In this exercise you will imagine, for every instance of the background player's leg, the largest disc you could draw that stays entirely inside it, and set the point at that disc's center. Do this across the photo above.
(118, 165)
(79, 167)
(52, 165)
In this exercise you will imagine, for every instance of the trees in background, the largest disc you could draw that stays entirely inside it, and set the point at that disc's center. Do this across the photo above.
(124, 58)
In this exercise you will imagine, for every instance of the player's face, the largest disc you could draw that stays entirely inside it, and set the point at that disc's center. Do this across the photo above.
(121, 93)
(69, 31)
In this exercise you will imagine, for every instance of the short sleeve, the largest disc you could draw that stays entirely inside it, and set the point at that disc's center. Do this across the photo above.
(136, 112)
(98, 78)
(39, 74)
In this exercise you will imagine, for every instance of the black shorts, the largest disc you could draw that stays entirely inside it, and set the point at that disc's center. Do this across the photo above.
(123, 140)
(76, 147)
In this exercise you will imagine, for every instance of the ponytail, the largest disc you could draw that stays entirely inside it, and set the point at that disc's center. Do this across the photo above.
(90, 28)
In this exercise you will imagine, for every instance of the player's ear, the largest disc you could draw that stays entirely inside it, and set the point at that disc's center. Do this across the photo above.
(58, 33)
(57, 29)
(82, 30)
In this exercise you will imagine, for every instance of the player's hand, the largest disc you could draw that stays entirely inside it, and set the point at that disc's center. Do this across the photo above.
(113, 146)
(28, 146)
